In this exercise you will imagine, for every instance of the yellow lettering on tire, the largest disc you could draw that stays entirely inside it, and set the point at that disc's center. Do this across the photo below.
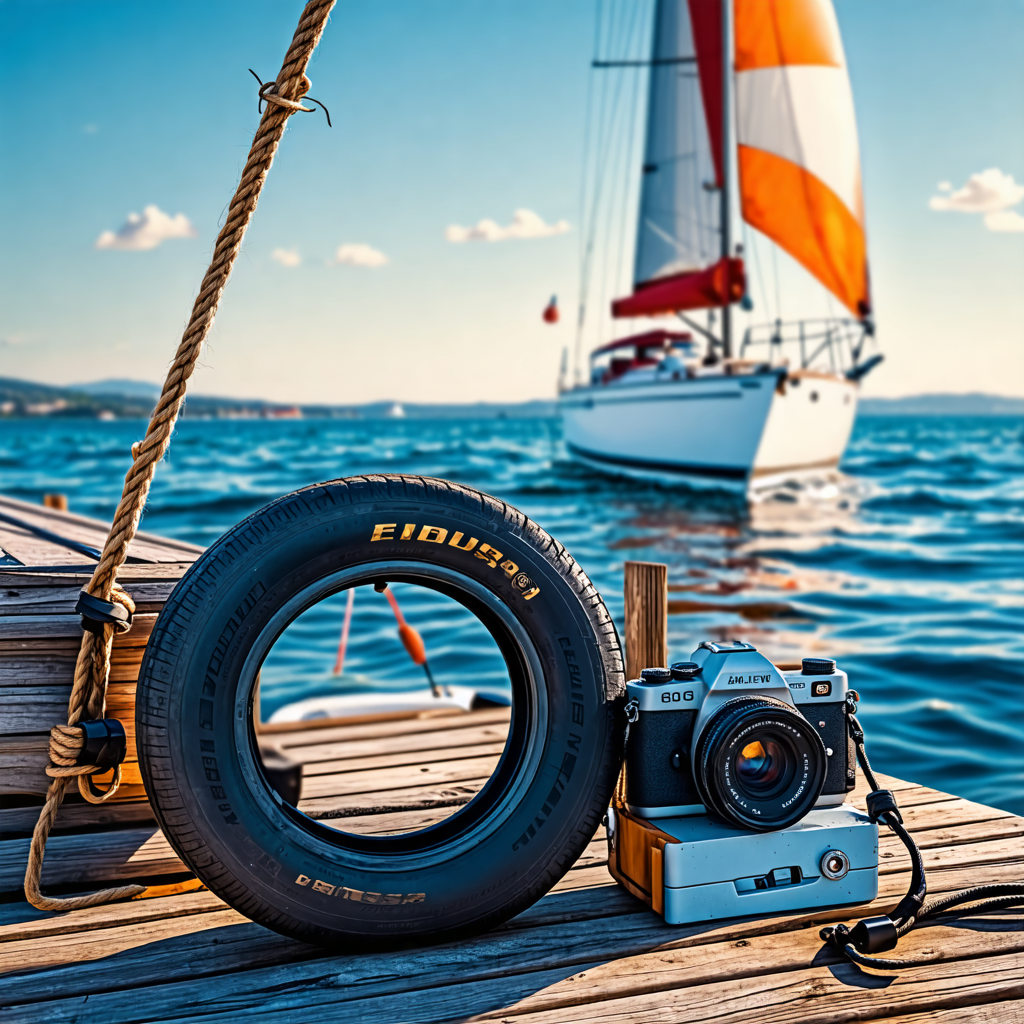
(433, 534)
(489, 555)
(457, 537)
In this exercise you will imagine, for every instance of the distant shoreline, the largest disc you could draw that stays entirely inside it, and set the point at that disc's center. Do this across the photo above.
(134, 400)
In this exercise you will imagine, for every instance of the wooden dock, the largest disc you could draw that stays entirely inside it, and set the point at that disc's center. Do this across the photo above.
(587, 951)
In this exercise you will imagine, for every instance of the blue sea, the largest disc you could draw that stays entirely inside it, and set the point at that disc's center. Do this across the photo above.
(909, 570)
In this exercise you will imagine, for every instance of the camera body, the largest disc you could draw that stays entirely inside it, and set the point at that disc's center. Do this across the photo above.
(729, 735)
(735, 787)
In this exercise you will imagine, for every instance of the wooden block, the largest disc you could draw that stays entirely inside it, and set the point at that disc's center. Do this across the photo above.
(646, 614)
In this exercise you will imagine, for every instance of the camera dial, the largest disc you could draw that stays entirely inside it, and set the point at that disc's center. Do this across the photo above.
(759, 764)
(818, 666)
(684, 670)
(656, 676)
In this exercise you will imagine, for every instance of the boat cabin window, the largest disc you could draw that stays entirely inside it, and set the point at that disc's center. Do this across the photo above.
(659, 350)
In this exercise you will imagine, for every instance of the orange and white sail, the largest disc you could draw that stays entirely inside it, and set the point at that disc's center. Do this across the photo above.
(799, 161)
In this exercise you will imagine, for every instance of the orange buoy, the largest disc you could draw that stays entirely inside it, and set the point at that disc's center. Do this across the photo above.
(550, 314)
(413, 643)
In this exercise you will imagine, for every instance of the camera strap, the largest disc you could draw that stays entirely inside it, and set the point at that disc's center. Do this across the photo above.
(880, 934)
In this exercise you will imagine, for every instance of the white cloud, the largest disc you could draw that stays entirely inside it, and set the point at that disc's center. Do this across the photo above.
(945, 186)
(1004, 220)
(525, 224)
(984, 192)
(356, 254)
(147, 230)
(10, 340)
(286, 257)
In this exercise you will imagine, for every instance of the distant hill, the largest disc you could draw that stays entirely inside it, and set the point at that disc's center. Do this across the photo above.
(942, 405)
(133, 399)
(122, 388)
(20, 398)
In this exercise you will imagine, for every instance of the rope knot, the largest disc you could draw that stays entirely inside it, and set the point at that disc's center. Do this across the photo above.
(97, 613)
(87, 749)
(268, 92)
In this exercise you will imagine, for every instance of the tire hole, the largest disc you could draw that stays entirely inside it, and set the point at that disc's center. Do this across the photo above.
(390, 724)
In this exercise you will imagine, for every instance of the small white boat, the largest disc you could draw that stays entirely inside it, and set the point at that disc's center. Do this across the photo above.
(387, 703)
(686, 406)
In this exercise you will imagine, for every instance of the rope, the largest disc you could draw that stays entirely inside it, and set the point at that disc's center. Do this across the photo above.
(88, 694)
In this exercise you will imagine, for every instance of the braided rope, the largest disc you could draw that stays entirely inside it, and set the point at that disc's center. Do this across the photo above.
(88, 693)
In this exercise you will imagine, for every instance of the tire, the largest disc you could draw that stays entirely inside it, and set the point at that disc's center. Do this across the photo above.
(482, 865)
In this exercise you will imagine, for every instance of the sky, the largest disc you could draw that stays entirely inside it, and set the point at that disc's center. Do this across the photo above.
(387, 259)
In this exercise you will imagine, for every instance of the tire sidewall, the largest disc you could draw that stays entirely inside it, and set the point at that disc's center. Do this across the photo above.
(249, 845)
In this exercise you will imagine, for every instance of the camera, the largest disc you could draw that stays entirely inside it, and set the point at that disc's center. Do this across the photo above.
(736, 776)
(729, 735)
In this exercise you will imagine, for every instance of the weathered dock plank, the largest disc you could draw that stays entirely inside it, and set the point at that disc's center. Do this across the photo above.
(586, 952)
(197, 958)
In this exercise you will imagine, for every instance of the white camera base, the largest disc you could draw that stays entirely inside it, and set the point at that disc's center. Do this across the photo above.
(713, 871)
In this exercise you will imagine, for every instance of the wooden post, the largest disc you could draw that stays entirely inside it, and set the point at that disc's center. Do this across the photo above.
(646, 594)
(56, 501)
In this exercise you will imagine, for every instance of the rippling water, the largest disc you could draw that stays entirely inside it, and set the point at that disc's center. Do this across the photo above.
(909, 571)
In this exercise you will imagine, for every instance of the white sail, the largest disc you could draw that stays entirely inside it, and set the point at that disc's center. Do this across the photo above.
(678, 229)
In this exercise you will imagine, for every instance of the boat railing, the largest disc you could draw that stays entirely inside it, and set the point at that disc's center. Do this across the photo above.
(839, 341)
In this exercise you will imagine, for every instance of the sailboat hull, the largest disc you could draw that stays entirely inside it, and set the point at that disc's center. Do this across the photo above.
(808, 427)
(722, 432)
(703, 431)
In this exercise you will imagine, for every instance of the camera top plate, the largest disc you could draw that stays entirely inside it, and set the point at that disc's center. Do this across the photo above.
(728, 669)
(725, 671)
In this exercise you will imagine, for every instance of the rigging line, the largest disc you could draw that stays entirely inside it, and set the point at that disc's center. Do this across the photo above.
(628, 162)
(830, 305)
(618, 161)
(599, 175)
(775, 277)
(580, 245)
(603, 212)
(755, 241)
(642, 63)
(631, 165)
(593, 196)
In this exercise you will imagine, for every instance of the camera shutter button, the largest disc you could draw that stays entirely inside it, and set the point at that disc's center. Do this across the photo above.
(656, 676)
(683, 670)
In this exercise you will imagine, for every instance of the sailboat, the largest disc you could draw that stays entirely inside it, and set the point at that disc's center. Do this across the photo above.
(775, 123)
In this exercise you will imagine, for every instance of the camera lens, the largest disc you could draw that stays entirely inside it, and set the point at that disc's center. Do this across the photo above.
(759, 764)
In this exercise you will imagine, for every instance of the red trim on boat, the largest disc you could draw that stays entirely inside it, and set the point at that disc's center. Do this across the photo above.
(718, 285)
(649, 339)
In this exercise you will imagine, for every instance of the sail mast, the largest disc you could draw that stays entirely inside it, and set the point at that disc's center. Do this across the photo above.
(726, 214)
